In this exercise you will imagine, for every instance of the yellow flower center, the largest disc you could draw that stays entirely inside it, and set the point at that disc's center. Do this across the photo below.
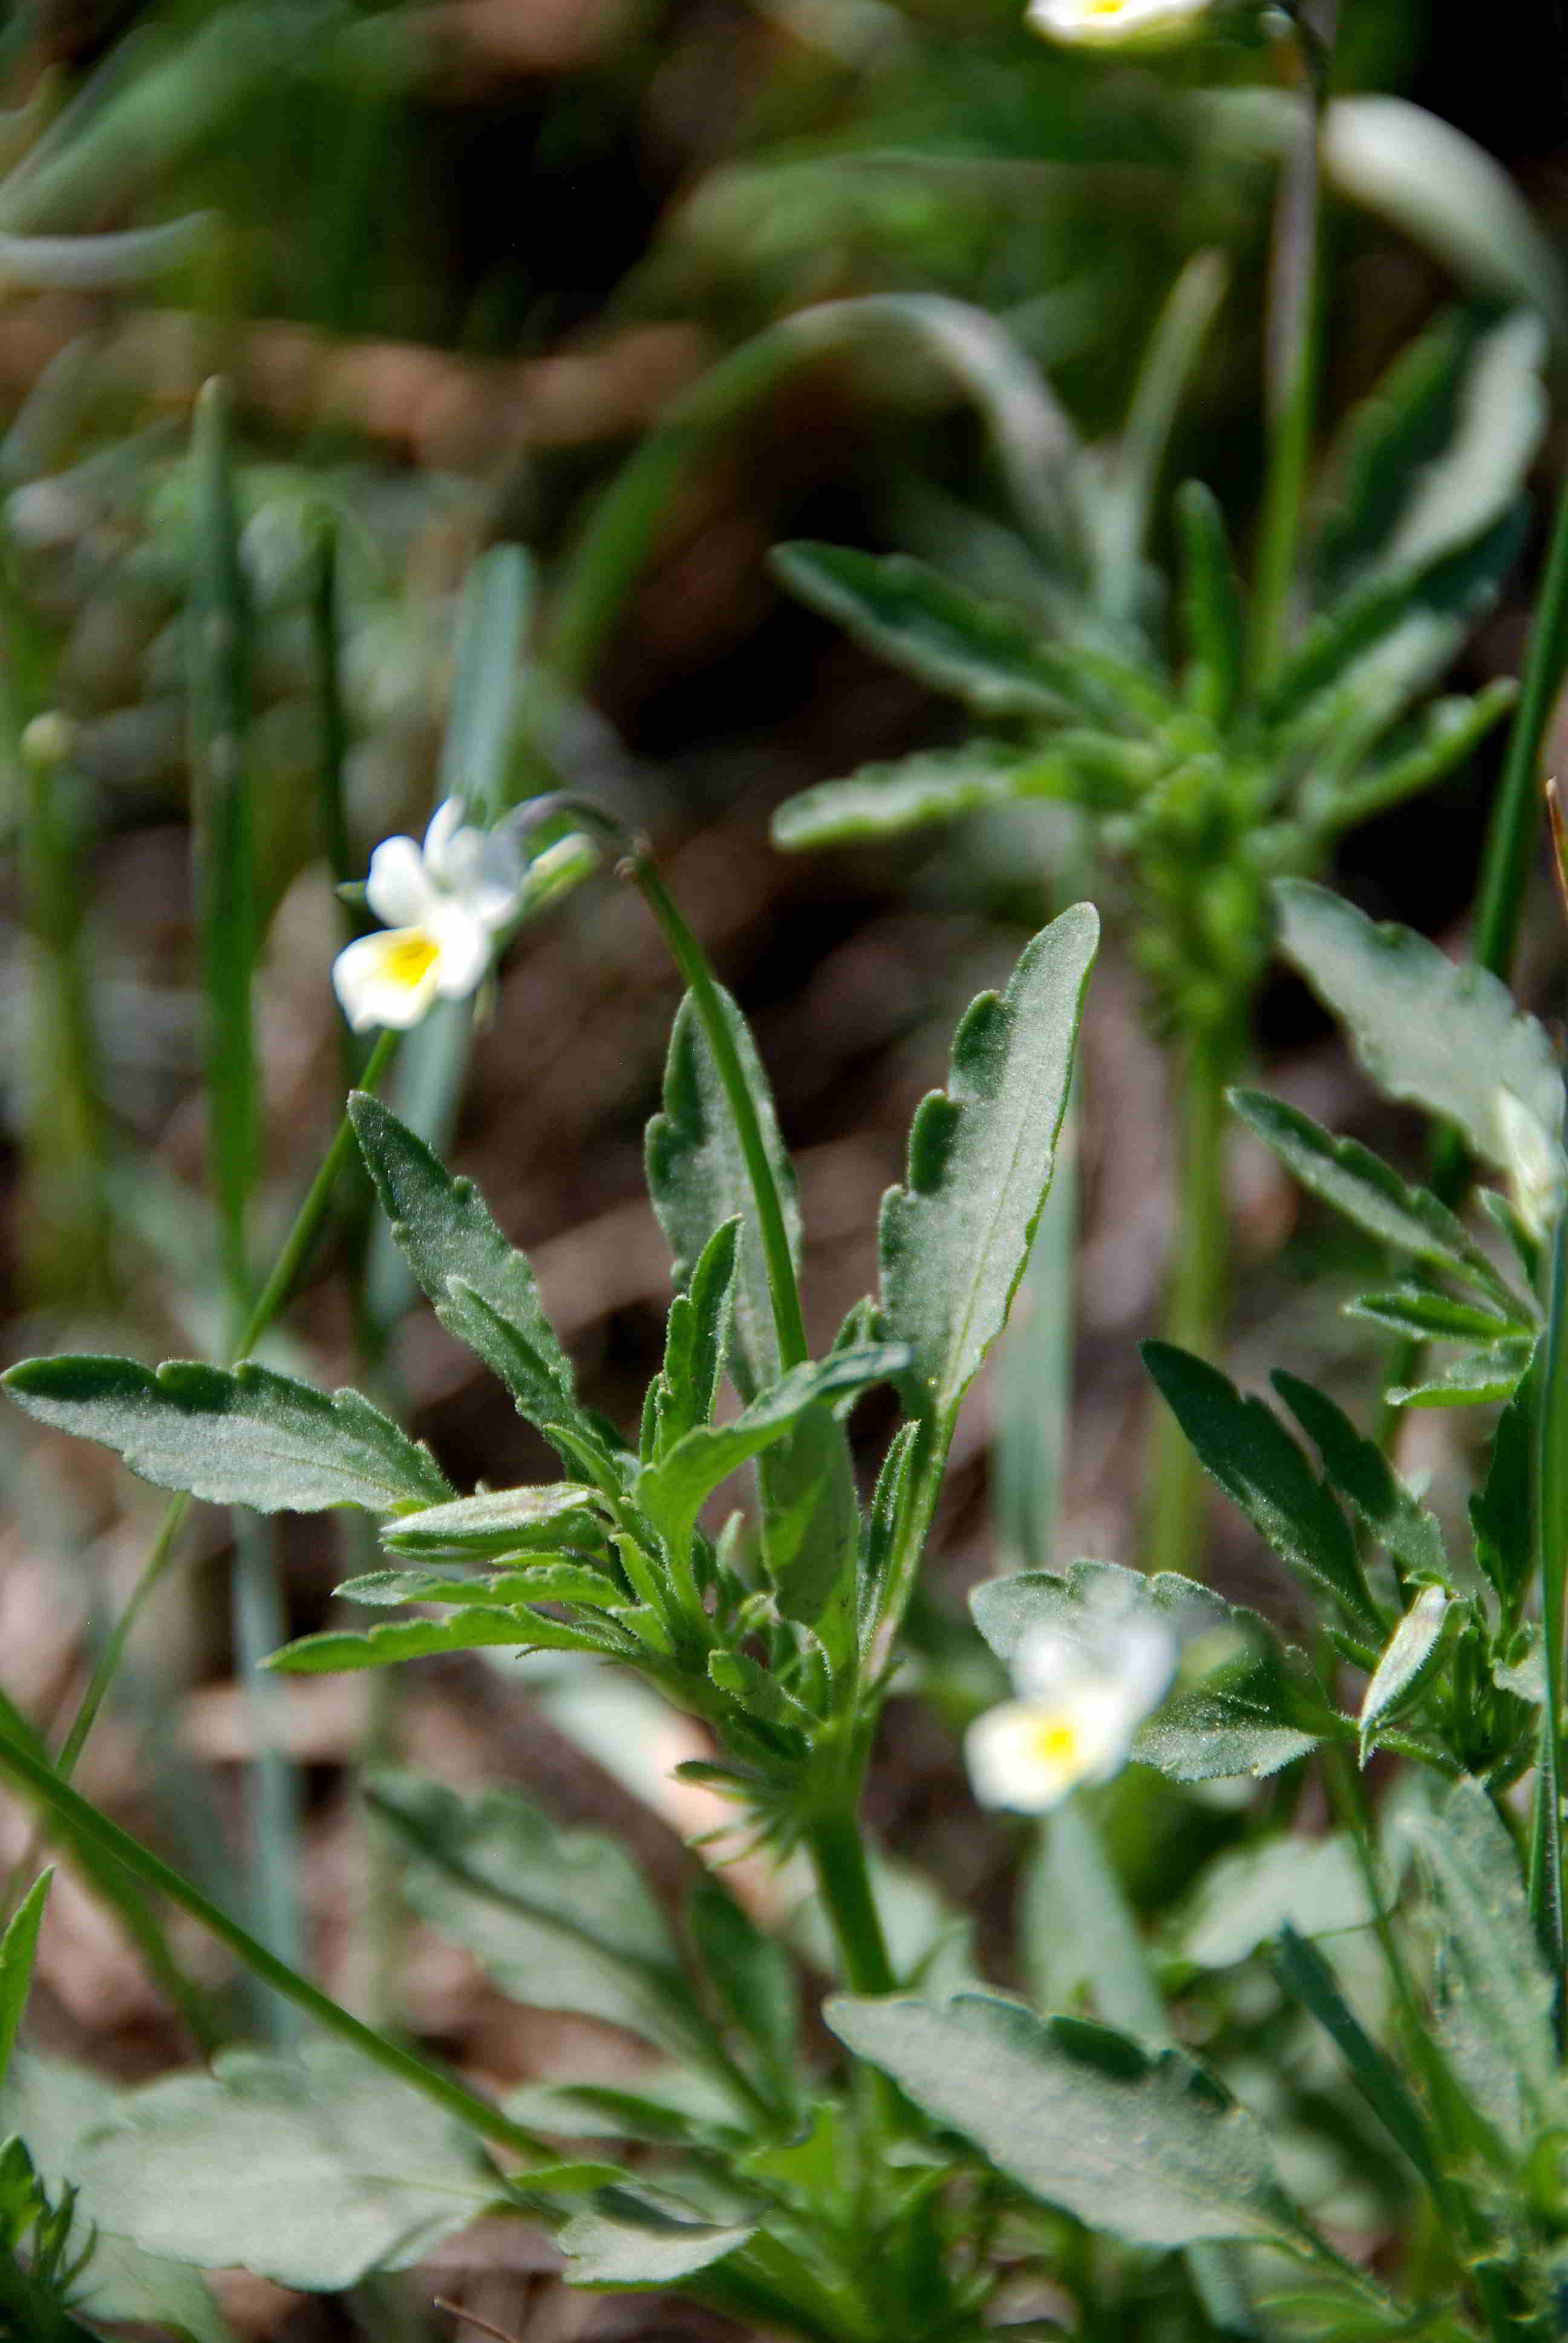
(409, 961)
(1054, 1743)
(1106, 7)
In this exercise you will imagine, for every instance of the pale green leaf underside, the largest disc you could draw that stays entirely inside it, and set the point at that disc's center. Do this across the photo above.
(932, 785)
(1141, 2147)
(1444, 1036)
(498, 1521)
(240, 1436)
(560, 1918)
(471, 1629)
(637, 2243)
(312, 2170)
(955, 1238)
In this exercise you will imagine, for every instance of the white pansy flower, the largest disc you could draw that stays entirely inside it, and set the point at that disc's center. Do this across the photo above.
(1116, 24)
(1081, 1698)
(442, 903)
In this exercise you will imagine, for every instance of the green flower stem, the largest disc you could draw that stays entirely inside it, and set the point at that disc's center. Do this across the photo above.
(693, 964)
(83, 1820)
(275, 1294)
(1196, 1293)
(839, 1857)
(1293, 355)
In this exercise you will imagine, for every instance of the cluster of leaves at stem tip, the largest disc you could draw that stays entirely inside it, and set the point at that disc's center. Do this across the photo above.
(776, 1636)
(1205, 765)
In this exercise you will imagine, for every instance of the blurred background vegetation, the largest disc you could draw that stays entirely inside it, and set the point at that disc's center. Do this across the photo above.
(461, 262)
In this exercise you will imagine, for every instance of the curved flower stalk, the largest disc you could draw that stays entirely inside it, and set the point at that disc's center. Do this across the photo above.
(1117, 23)
(445, 903)
(1081, 1698)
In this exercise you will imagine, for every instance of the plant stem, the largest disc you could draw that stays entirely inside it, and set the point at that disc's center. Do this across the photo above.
(843, 1880)
(694, 965)
(1293, 370)
(1195, 1294)
(83, 1819)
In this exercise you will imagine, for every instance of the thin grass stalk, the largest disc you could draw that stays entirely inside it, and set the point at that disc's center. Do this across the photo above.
(295, 1252)
(222, 627)
(1294, 353)
(83, 1820)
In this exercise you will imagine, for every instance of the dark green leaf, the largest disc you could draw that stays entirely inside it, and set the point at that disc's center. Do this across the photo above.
(1501, 1512)
(1430, 1316)
(1310, 1979)
(1145, 2147)
(955, 1239)
(1211, 611)
(1257, 1463)
(1359, 1470)
(541, 1581)
(244, 1436)
(18, 1946)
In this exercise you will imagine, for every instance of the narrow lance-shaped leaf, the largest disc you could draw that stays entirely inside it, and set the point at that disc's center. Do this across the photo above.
(1447, 1037)
(1475, 1380)
(1310, 1979)
(928, 624)
(498, 1521)
(240, 1436)
(1144, 2147)
(1407, 1664)
(1367, 1191)
(694, 1344)
(1361, 1472)
(1257, 1463)
(446, 1232)
(18, 1946)
(477, 1627)
(1501, 1512)
(955, 1238)
(672, 1490)
(1211, 611)
(933, 785)
(698, 1179)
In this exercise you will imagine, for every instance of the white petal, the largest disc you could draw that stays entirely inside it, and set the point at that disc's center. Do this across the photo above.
(1029, 1754)
(446, 823)
(464, 951)
(389, 979)
(1111, 22)
(1048, 1661)
(485, 871)
(400, 889)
